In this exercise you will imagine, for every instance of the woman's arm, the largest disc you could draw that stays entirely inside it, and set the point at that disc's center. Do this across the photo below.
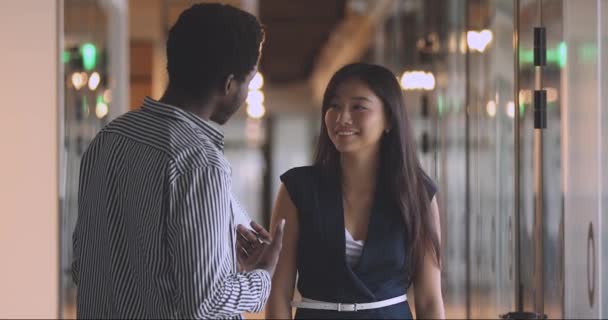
(427, 285)
(283, 281)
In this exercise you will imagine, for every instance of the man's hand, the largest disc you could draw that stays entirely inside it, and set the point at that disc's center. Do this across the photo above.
(256, 249)
(248, 247)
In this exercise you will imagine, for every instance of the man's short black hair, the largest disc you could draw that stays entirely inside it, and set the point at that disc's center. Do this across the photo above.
(208, 42)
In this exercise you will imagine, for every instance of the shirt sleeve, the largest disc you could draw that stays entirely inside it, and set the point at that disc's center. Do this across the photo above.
(201, 241)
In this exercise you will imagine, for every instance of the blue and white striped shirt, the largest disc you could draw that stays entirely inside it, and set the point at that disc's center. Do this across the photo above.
(155, 236)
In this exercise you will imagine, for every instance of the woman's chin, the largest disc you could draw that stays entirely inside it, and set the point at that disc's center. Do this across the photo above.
(346, 148)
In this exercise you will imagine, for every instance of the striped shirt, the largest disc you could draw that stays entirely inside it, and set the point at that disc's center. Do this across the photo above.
(155, 235)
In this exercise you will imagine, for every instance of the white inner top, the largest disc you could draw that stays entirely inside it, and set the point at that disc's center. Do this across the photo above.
(354, 249)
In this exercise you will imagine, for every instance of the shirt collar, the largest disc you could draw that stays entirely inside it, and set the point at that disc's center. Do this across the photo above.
(198, 124)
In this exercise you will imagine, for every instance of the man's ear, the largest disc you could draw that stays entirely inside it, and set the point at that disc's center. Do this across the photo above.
(228, 84)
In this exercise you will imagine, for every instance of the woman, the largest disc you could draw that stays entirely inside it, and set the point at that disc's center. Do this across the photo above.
(362, 222)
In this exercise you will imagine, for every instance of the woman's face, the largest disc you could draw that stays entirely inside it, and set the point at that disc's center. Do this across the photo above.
(355, 118)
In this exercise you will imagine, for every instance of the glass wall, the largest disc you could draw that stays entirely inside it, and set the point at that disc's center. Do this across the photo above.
(464, 125)
(465, 133)
(450, 136)
(491, 112)
(583, 132)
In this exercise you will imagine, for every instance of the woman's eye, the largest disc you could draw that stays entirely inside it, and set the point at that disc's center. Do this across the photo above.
(359, 107)
(334, 106)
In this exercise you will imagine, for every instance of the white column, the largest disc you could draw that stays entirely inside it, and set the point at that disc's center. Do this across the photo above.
(118, 55)
(29, 214)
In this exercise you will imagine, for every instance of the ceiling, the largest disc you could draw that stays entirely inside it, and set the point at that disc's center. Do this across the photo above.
(295, 32)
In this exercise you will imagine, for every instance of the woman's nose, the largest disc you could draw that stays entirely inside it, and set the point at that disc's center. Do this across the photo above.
(344, 117)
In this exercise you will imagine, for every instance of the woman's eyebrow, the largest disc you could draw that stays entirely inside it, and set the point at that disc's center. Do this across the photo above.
(361, 98)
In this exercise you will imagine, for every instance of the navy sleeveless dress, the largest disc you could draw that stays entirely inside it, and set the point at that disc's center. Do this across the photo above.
(323, 273)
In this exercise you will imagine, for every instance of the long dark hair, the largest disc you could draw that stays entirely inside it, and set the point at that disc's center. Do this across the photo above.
(399, 164)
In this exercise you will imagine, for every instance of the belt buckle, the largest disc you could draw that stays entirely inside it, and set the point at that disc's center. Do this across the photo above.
(340, 305)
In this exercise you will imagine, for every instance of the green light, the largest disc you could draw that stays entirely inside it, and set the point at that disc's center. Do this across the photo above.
(65, 57)
(440, 105)
(552, 55)
(526, 56)
(89, 56)
(558, 55)
(562, 48)
(522, 109)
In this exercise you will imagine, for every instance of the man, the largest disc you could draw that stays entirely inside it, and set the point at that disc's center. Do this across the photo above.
(156, 233)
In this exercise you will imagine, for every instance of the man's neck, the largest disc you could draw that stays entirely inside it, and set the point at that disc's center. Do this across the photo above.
(202, 108)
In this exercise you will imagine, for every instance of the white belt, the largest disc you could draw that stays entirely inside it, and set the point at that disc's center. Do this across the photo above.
(343, 307)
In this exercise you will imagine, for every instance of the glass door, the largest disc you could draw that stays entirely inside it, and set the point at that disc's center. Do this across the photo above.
(541, 221)
(475, 157)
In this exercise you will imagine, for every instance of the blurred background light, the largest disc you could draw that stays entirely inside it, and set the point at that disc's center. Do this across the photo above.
(491, 108)
(79, 79)
(417, 80)
(255, 97)
(101, 108)
(256, 111)
(94, 81)
(511, 109)
(479, 40)
(257, 82)
(89, 56)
